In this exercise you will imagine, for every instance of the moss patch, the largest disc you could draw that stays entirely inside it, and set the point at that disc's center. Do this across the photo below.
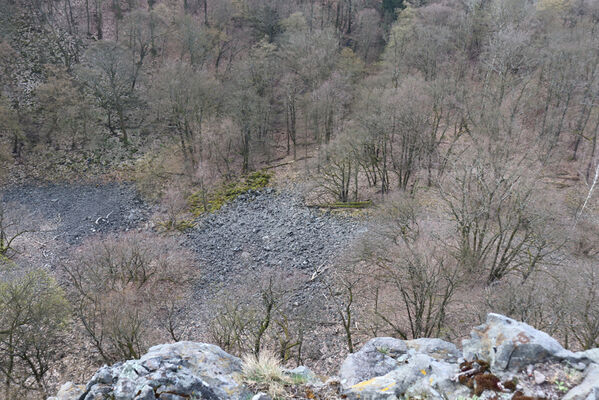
(200, 202)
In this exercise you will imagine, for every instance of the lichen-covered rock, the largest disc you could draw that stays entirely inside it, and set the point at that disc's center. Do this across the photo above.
(502, 358)
(376, 358)
(592, 355)
(181, 370)
(436, 348)
(388, 368)
(421, 376)
(508, 344)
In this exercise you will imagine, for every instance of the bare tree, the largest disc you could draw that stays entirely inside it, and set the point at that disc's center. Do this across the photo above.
(11, 228)
(118, 286)
(340, 169)
(582, 318)
(33, 316)
(185, 99)
(111, 75)
(346, 285)
(256, 315)
(498, 230)
(415, 278)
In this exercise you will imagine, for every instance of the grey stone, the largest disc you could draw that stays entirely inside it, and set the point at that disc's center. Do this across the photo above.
(261, 396)
(588, 389)
(216, 368)
(171, 371)
(422, 376)
(81, 205)
(591, 354)
(152, 364)
(436, 348)
(105, 375)
(172, 396)
(539, 377)
(146, 393)
(98, 392)
(375, 358)
(508, 344)
(383, 369)
(125, 389)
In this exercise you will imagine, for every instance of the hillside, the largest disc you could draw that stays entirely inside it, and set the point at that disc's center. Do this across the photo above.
(291, 178)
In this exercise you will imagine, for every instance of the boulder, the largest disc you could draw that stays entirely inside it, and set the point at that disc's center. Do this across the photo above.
(421, 376)
(588, 389)
(592, 355)
(376, 358)
(181, 370)
(436, 348)
(388, 368)
(383, 369)
(511, 345)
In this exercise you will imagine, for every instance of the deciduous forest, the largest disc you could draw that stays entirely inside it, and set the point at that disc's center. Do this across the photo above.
(448, 146)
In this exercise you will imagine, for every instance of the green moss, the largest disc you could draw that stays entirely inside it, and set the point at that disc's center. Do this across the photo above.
(349, 204)
(200, 202)
(179, 225)
(298, 379)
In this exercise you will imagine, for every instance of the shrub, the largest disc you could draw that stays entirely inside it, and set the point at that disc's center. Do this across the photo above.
(266, 367)
(125, 286)
(33, 315)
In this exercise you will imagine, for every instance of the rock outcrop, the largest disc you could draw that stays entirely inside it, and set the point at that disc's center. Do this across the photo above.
(178, 371)
(387, 368)
(508, 344)
(503, 359)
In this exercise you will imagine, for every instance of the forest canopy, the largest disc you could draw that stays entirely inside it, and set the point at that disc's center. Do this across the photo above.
(463, 132)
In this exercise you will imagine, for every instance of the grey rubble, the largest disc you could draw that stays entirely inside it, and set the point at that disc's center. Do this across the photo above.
(79, 210)
(268, 228)
(384, 368)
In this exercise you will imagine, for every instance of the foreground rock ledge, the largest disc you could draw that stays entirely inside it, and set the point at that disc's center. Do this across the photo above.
(503, 359)
(182, 370)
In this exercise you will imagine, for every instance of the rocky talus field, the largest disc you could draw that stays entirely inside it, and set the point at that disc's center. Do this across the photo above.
(502, 359)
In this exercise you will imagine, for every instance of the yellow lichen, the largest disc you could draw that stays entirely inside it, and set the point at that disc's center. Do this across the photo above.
(388, 387)
(361, 385)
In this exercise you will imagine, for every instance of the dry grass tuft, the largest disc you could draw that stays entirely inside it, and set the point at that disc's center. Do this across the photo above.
(266, 372)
